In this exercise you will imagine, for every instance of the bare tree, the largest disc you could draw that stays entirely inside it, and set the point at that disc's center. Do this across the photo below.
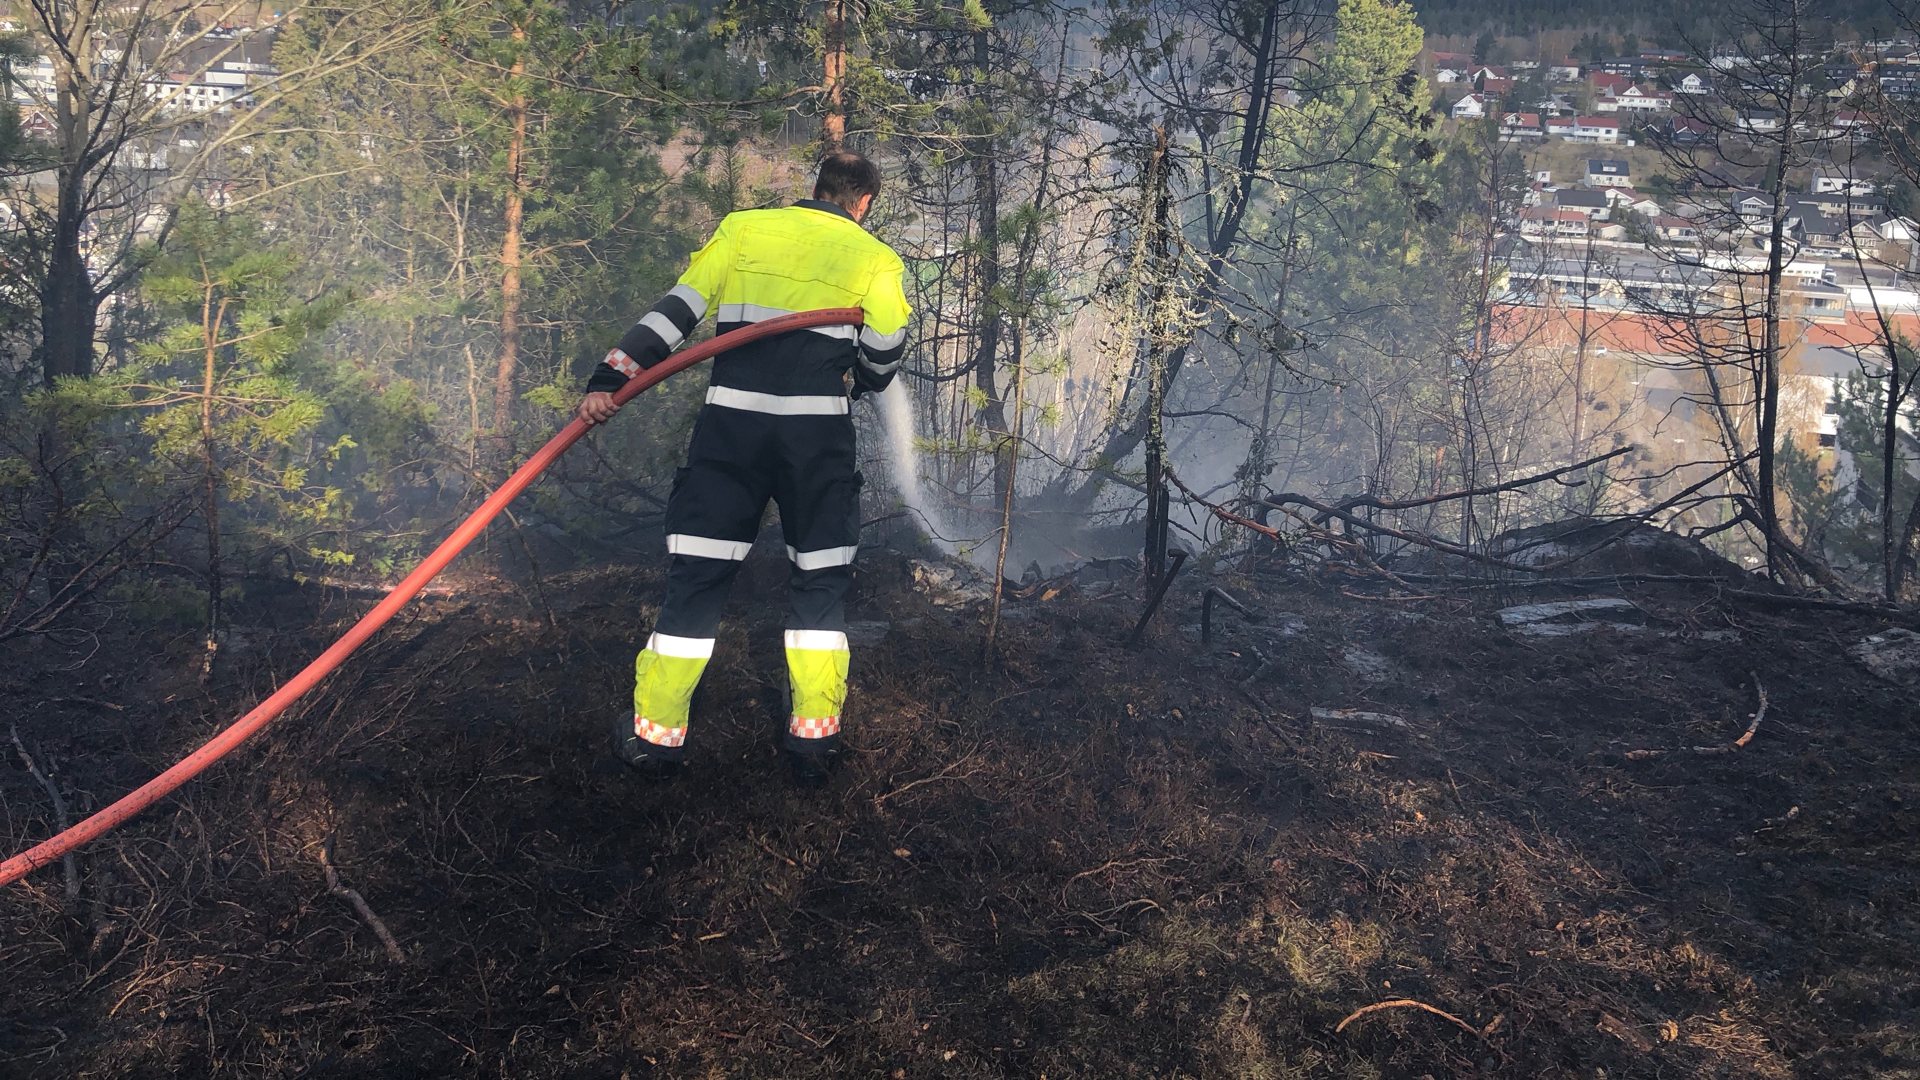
(1218, 75)
(121, 75)
(1762, 125)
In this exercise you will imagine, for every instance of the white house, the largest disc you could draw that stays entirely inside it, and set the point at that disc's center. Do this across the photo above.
(1899, 230)
(1835, 183)
(1754, 207)
(1596, 129)
(1593, 204)
(1566, 71)
(1608, 172)
(1757, 121)
(1635, 100)
(1693, 83)
(1471, 107)
(1519, 125)
(1628, 199)
(212, 91)
(33, 82)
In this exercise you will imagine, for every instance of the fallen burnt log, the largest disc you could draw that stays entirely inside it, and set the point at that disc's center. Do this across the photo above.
(1582, 554)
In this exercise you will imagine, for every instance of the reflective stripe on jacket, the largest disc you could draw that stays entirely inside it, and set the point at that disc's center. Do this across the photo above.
(760, 264)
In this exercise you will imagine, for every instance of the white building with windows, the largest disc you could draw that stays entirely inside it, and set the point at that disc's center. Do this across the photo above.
(1609, 172)
(1826, 182)
(1596, 129)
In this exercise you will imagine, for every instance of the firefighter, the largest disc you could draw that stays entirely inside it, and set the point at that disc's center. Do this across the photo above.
(776, 425)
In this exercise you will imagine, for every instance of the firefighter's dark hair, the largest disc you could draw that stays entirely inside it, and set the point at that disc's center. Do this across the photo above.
(844, 177)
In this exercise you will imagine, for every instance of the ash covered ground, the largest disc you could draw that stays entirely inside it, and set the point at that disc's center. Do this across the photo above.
(1083, 860)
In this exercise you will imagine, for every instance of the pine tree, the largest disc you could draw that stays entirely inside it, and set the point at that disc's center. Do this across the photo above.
(219, 390)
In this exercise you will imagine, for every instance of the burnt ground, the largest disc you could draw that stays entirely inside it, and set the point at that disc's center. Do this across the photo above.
(1087, 862)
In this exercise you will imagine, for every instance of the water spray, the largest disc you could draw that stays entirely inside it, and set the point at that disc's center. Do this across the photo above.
(896, 416)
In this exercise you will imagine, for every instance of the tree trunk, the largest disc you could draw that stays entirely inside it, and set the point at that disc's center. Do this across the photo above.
(992, 414)
(1768, 396)
(513, 218)
(1260, 454)
(1905, 554)
(833, 126)
(210, 322)
(1890, 444)
(69, 306)
(1157, 202)
(1006, 500)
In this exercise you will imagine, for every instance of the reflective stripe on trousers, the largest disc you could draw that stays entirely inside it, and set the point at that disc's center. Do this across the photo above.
(664, 676)
(817, 662)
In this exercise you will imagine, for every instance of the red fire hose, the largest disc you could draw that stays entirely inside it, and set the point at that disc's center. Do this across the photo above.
(220, 745)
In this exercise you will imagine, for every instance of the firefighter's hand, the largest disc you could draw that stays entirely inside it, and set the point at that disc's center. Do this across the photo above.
(596, 408)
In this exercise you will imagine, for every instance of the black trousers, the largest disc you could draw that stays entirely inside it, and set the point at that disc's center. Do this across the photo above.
(737, 461)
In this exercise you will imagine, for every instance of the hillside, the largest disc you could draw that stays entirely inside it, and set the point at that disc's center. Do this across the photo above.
(1088, 862)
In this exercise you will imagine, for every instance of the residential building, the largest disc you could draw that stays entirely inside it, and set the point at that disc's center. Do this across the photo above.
(1818, 231)
(1593, 204)
(1629, 199)
(1596, 129)
(1636, 100)
(1858, 207)
(1753, 207)
(1518, 125)
(1757, 121)
(1834, 182)
(1608, 172)
(1560, 127)
(1547, 221)
(209, 91)
(1685, 130)
(1607, 84)
(1471, 107)
(1565, 71)
(1450, 67)
(1898, 84)
(1555, 105)
(1849, 123)
(1693, 83)
(1675, 229)
(33, 82)
(1898, 230)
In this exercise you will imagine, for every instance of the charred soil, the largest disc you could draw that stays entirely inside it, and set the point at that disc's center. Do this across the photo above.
(1082, 860)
